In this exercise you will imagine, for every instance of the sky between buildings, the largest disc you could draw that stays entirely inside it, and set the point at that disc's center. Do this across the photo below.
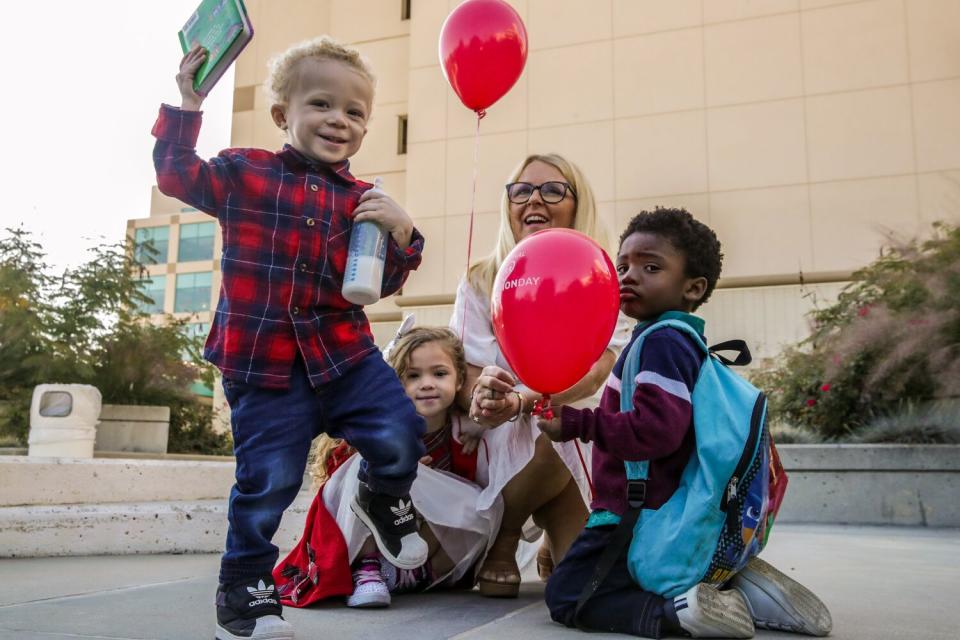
(82, 85)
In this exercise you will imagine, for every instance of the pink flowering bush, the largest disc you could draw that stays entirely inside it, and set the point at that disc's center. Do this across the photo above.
(889, 344)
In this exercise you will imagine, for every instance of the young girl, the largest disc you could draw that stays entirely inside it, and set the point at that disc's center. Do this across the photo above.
(336, 554)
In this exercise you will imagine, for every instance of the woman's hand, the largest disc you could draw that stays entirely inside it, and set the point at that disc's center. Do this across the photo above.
(494, 401)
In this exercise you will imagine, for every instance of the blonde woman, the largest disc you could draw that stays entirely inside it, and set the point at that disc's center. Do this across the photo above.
(537, 478)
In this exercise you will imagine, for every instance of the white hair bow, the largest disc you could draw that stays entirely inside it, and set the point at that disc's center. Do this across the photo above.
(405, 326)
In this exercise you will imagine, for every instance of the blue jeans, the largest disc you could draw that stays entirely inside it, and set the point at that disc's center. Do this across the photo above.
(618, 605)
(272, 432)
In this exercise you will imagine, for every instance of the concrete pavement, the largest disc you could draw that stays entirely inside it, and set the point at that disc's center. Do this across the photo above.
(879, 582)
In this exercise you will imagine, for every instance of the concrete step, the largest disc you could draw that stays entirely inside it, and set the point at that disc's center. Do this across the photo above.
(58, 481)
(64, 481)
(120, 528)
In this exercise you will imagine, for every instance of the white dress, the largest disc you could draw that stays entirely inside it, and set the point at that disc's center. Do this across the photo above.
(444, 500)
(511, 445)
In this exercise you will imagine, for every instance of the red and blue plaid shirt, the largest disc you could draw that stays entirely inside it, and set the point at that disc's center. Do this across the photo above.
(286, 224)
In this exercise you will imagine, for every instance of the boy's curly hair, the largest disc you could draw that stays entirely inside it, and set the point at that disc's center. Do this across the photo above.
(281, 68)
(697, 242)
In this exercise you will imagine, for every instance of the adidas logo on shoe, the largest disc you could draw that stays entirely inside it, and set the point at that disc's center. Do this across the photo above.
(250, 610)
(261, 595)
(393, 522)
(403, 511)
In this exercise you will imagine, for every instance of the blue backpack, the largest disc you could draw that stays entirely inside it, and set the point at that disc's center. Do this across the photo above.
(729, 493)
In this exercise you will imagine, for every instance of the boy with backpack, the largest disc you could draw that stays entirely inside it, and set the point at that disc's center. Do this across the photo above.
(698, 432)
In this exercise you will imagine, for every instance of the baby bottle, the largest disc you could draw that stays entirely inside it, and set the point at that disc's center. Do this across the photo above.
(368, 250)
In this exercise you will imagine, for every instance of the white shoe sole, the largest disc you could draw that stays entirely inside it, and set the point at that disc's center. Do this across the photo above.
(795, 598)
(392, 559)
(369, 601)
(285, 633)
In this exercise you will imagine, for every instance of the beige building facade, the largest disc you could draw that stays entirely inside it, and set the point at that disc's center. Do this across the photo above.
(806, 133)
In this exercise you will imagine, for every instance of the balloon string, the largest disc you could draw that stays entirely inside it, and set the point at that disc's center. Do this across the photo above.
(473, 204)
(542, 408)
(586, 471)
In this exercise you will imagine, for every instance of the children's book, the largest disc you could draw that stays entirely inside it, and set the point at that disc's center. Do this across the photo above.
(223, 28)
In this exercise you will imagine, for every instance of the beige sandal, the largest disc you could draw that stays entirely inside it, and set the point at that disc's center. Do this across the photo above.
(544, 562)
(501, 561)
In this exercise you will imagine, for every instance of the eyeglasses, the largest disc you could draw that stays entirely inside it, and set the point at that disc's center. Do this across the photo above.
(550, 192)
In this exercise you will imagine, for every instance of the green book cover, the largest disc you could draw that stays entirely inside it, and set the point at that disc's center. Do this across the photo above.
(223, 29)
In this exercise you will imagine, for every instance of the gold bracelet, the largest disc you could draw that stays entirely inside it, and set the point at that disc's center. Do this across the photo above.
(519, 409)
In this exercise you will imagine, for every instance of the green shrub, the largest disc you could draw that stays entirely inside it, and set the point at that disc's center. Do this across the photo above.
(190, 431)
(85, 327)
(891, 339)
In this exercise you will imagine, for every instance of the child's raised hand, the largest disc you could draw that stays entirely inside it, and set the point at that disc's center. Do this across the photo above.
(190, 100)
(552, 428)
(378, 207)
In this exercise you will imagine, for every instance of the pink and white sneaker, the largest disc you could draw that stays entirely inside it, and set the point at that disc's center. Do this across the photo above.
(369, 588)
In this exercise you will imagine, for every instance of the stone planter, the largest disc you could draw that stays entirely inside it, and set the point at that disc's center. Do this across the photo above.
(916, 485)
(133, 428)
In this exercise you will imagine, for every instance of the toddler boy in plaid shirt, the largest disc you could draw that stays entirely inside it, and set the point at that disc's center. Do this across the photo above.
(297, 358)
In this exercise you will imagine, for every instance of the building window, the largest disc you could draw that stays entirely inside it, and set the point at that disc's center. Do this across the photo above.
(150, 245)
(154, 287)
(193, 292)
(405, 9)
(196, 242)
(401, 135)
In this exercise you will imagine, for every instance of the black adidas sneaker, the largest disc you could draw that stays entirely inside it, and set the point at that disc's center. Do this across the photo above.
(250, 610)
(393, 523)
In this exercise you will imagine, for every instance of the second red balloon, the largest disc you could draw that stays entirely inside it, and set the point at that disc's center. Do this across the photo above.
(483, 49)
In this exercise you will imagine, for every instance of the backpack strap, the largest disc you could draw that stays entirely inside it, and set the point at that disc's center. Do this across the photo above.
(743, 353)
(619, 542)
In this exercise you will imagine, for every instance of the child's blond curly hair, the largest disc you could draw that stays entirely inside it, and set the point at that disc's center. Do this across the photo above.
(282, 67)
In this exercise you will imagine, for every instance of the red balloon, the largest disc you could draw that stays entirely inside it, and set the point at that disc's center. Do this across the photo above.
(554, 307)
(483, 47)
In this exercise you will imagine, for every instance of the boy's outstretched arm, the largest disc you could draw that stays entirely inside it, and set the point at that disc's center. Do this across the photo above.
(404, 244)
(661, 413)
(180, 172)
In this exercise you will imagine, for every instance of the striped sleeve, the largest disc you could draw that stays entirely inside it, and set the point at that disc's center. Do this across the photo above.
(661, 414)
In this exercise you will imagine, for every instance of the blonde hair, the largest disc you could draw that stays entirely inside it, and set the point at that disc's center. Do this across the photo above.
(482, 273)
(399, 359)
(281, 68)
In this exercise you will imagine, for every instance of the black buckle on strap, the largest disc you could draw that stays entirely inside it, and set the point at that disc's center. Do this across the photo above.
(636, 493)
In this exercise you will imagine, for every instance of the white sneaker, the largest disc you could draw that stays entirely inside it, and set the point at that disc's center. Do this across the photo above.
(778, 602)
(706, 612)
(369, 589)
